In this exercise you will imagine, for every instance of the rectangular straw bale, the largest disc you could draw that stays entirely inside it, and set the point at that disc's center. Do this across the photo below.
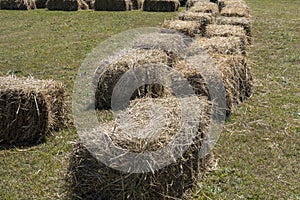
(233, 71)
(113, 5)
(119, 65)
(190, 28)
(191, 3)
(17, 4)
(237, 21)
(203, 18)
(29, 108)
(223, 3)
(215, 30)
(89, 178)
(234, 11)
(219, 45)
(205, 7)
(161, 5)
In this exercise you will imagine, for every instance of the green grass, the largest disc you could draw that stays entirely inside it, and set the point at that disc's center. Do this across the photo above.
(259, 150)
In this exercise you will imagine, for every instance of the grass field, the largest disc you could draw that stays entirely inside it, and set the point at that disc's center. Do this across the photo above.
(259, 150)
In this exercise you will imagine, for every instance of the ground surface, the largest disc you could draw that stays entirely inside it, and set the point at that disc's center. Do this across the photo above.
(259, 151)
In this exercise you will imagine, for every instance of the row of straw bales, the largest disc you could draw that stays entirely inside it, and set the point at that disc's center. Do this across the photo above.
(29, 109)
(223, 29)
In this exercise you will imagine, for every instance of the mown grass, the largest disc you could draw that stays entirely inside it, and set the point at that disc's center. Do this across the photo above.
(259, 150)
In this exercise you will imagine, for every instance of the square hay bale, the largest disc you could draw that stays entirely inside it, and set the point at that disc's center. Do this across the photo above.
(113, 5)
(190, 28)
(215, 30)
(55, 4)
(234, 73)
(70, 5)
(235, 11)
(17, 4)
(223, 3)
(29, 109)
(119, 65)
(219, 45)
(40, 3)
(202, 18)
(88, 178)
(237, 21)
(191, 3)
(161, 5)
(205, 7)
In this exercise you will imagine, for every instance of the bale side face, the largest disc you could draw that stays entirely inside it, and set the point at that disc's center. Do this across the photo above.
(206, 7)
(233, 11)
(190, 28)
(203, 18)
(219, 45)
(237, 21)
(23, 116)
(113, 5)
(161, 5)
(52, 92)
(119, 66)
(215, 30)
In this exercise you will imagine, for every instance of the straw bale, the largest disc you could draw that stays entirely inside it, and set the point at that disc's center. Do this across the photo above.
(17, 4)
(219, 45)
(120, 64)
(29, 108)
(88, 178)
(113, 5)
(234, 73)
(161, 5)
(235, 11)
(191, 3)
(40, 3)
(237, 21)
(215, 30)
(206, 7)
(223, 3)
(190, 28)
(202, 18)
(55, 4)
